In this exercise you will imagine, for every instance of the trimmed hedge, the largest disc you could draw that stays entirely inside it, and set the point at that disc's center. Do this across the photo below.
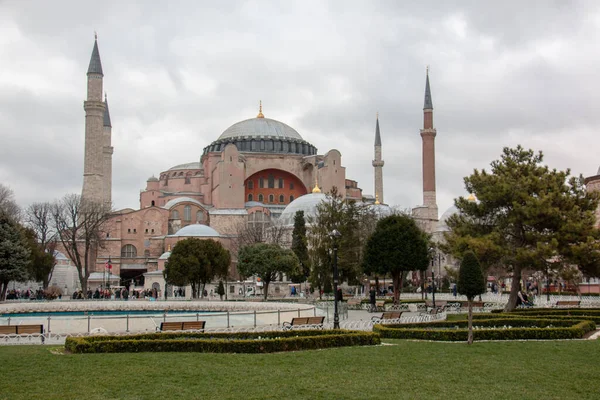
(238, 342)
(592, 314)
(521, 329)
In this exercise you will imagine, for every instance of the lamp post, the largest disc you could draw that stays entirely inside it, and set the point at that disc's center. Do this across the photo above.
(335, 235)
(433, 287)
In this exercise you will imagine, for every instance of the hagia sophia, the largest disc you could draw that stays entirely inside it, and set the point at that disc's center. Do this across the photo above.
(256, 171)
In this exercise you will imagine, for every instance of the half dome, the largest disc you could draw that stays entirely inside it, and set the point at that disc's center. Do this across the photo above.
(307, 203)
(197, 230)
(257, 127)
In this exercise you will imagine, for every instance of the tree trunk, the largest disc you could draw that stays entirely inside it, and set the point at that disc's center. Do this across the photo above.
(401, 285)
(396, 282)
(3, 289)
(514, 289)
(266, 289)
(470, 337)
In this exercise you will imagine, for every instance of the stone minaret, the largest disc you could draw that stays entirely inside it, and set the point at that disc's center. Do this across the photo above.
(93, 166)
(107, 151)
(378, 165)
(428, 134)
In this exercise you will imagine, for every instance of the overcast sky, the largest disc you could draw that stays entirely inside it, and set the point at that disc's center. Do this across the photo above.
(178, 74)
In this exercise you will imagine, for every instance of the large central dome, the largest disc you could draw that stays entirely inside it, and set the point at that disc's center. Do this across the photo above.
(257, 127)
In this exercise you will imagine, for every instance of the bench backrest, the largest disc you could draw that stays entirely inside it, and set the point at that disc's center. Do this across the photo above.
(195, 325)
(171, 326)
(8, 329)
(299, 321)
(568, 303)
(315, 320)
(380, 303)
(391, 315)
(354, 301)
(28, 329)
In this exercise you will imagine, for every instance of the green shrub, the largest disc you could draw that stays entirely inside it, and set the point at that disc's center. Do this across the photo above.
(520, 329)
(239, 342)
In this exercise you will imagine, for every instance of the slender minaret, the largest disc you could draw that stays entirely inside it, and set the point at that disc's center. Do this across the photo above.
(428, 134)
(107, 152)
(378, 164)
(94, 107)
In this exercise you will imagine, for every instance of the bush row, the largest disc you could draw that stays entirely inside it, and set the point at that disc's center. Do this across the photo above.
(592, 314)
(263, 342)
(521, 329)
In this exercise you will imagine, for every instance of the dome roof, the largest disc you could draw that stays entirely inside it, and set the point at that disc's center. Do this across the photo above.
(165, 255)
(441, 225)
(382, 210)
(254, 127)
(197, 230)
(307, 203)
(192, 165)
(152, 179)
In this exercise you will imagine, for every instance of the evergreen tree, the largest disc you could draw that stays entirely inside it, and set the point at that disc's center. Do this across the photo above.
(266, 261)
(299, 248)
(526, 216)
(398, 245)
(221, 290)
(196, 262)
(471, 283)
(42, 261)
(14, 253)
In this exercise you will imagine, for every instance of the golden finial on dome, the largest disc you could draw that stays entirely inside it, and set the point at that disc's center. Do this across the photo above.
(169, 247)
(377, 199)
(472, 197)
(260, 114)
(316, 188)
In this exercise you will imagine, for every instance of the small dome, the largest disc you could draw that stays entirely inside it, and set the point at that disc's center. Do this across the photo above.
(307, 203)
(256, 127)
(59, 256)
(197, 230)
(152, 179)
(165, 255)
(598, 173)
(382, 210)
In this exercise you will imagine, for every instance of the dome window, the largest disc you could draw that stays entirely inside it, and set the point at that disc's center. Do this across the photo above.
(128, 251)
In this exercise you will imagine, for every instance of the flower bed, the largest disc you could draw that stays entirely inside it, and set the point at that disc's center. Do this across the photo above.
(239, 342)
(512, 328)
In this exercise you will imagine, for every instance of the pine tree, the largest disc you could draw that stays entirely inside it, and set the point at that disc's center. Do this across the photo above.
(14, 253)
(471, 283)
(299, 247)
(526, 216)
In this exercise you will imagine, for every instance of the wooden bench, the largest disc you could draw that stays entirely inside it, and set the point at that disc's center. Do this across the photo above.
(388, 315)
(304, 321)
(183, 326)
(568, 303)
(354, 303)
(380, 305)
(22, 330)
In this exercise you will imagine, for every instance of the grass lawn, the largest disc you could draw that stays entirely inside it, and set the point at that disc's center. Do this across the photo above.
(402, 370)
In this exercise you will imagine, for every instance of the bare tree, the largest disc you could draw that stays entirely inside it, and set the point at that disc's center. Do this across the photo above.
(38, 217)
(8, 205)
(78, 225)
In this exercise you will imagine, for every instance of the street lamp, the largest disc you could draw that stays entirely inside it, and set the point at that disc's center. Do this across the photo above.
(109, 266)
(335, 235)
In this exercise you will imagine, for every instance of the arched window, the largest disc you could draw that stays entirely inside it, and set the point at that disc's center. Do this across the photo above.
(281, 183)
(128, 251)
(291, 198)
(261, 182)
(187, 213)
(250, 197)
(147, 253)
(250, 184)
(260, 198)
(152, 203)
(199, 216)
(271, 181)
(271, 198)
(174, 214)
(281, 198)
(291, 185)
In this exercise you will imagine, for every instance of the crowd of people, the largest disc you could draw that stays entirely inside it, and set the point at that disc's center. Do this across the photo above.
(17, 294)
(115, 294)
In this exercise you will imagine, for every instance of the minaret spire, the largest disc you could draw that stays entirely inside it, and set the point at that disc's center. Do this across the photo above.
(378, 164)
(97, 138)
(106, 112)
(428, 134)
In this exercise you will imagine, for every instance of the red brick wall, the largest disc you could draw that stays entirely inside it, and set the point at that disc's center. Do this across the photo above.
(288, 179)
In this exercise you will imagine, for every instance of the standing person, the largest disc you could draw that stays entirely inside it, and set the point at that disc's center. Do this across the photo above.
(372, 298)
